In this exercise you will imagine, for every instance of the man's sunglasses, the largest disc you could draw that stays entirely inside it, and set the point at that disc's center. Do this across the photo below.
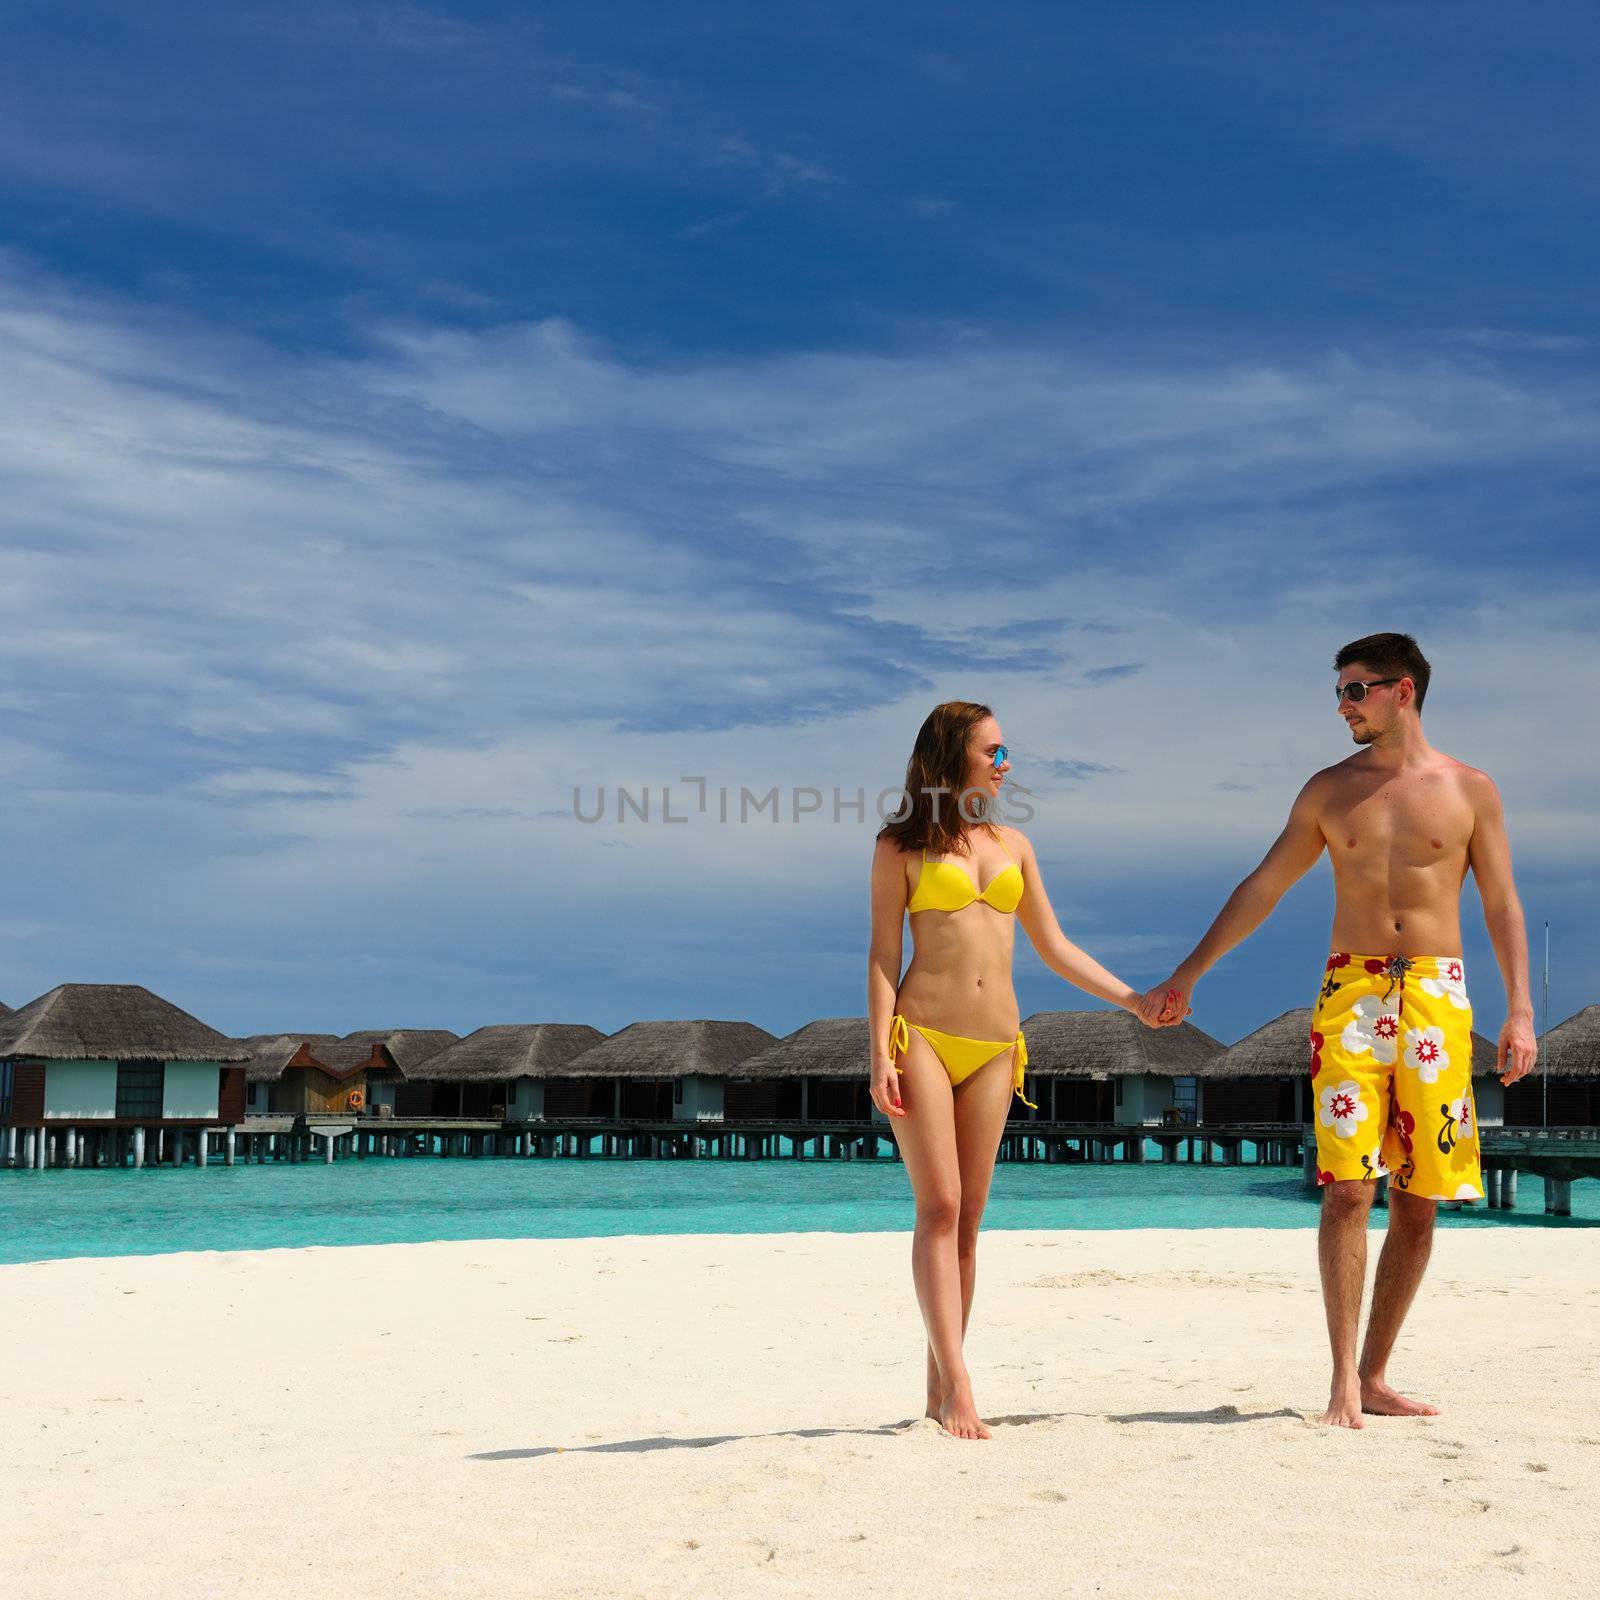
(1356, 691)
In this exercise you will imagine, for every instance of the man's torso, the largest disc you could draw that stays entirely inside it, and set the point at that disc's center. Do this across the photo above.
(1399, 845)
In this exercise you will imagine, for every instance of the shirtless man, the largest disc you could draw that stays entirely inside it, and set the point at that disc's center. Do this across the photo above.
(1391, 1040)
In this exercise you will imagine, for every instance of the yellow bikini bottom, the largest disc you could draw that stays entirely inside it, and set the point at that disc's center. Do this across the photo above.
(959, 1056)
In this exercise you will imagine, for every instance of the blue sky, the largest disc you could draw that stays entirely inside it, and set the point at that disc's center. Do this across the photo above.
(413, 412)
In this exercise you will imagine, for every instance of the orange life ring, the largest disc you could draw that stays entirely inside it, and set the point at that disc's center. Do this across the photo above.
(355, 1100)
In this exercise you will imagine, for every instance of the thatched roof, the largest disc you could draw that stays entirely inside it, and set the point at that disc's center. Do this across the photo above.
(831, 1047)
(1282, 1049)
(1060, 1044)
(1112, 1044)
(111, 1022)
(345, 1058)
(672, 1050)
(407, 1047)
(511, 1050)
(270, 1053)
(1572, 1048)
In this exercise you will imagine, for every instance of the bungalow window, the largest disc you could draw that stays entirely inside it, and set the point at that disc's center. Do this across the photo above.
(141, 1087)
(5, 1089)
(677, 1090)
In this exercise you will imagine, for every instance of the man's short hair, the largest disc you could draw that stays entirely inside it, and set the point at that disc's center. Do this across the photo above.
(1390, 655)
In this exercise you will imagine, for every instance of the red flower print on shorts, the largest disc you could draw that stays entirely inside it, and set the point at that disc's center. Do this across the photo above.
(1405, 1125)
(1316, 1052)
(1337, 961)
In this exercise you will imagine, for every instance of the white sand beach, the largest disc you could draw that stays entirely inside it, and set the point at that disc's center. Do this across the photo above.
(729, 1415)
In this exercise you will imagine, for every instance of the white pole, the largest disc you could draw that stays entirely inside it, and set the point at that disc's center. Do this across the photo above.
(1544, 1028)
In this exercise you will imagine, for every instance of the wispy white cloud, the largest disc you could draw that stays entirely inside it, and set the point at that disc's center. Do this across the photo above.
(342, 634)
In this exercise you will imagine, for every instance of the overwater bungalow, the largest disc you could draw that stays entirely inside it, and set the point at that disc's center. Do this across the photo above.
(397, 1054)
(327, 1074)
(684, 1071)
(1266, 1077)
(507, 1069)
(1083, 1066)
(93, 1070)
(1563, 1091)
(1107, 1066)
(272, 1056)
(818, 1073)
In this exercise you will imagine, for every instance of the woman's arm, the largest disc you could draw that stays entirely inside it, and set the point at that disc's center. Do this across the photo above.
(885, 952)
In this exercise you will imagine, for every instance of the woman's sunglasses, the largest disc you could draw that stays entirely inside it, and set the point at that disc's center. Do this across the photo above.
(1356, 691)
(1000, 754)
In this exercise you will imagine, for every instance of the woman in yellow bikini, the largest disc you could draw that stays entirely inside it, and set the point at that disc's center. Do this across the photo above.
(947, 1048)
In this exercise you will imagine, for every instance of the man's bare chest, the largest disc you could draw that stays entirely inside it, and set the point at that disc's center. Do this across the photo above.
(1409, 821)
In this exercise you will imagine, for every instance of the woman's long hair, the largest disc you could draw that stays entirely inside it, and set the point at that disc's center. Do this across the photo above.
(939, 761)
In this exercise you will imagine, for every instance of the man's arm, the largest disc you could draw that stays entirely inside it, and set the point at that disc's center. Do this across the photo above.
(1489, 855)
(1293, 854)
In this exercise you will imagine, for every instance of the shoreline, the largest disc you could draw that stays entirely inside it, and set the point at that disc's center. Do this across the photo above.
(663, 1414)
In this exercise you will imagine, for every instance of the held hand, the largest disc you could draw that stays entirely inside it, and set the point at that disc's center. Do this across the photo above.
(1518, 1047)
(1166, 1005)
(1150, 1005)
(886, 1089)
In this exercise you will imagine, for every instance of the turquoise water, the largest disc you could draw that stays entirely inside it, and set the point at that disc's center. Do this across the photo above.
(123, 1212)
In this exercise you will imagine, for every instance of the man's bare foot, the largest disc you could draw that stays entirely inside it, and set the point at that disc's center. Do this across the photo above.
(1383, 1401)
(1344, 1409)
(959, 1416)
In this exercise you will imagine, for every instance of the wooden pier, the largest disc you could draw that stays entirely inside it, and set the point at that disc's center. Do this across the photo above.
(328, 1138)
(1560, 1156)
(1557, 1155)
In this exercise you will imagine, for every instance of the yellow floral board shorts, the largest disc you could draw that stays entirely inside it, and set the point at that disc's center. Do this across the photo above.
(1391, 1075)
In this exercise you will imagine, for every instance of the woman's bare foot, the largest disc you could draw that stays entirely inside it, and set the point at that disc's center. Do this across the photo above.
(1382, 1400)
(959, 1416)
(1344, 1409)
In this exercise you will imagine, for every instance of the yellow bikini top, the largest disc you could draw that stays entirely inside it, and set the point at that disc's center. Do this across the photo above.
(943, 886)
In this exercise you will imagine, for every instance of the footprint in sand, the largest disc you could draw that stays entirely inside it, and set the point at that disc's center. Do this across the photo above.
(1535, 1466)
(1050, 1496)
